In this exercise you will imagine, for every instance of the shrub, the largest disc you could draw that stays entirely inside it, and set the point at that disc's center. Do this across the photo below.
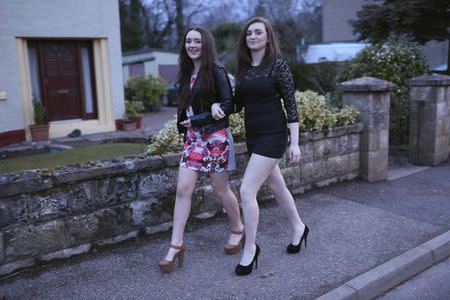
(345, 116)
(169, 140)
(147, 89)
(38, 112)
(315, 114)
(396, 61)
(319, 77)
(133, 110)
(166, 140)
(238, 127)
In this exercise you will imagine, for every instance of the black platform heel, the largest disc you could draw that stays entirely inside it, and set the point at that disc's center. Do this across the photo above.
(292, 249)
(245, 270)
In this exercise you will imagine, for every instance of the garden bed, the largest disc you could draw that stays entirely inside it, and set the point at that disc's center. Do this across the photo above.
(50, 156)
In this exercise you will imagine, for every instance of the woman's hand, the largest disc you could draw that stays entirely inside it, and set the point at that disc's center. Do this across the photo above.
(186, 123)
(294, 153)
(217, 111)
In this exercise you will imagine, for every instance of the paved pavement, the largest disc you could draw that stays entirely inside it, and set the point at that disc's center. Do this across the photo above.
(432, 284)
(356, 229)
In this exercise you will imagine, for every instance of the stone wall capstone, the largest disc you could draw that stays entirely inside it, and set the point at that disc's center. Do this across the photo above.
(429, 119)
(371, 97)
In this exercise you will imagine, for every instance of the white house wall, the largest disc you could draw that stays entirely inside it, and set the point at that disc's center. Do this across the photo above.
(336, 17)
(93, 19)
(316, 53)
(161, 58)
(151, 61)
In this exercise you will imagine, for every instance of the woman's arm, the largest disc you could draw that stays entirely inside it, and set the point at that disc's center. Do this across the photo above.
(285, 86)
(223, 89)
(225, 105)
(294, 149)
(237, 106)
(285, 83)
(181, 117)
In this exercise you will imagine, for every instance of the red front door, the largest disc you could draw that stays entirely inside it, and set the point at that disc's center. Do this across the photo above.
(61, 74)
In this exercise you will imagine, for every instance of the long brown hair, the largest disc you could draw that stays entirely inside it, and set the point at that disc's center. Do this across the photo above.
(205, 77)
(244, 58)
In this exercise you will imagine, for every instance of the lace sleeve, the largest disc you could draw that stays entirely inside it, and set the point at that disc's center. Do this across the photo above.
(285, 83)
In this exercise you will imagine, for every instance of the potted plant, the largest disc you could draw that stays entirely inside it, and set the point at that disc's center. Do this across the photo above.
(40, 129)
(132, 117)
(148, 89)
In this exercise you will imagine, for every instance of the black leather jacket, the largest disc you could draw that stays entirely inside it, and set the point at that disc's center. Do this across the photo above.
(201, 107)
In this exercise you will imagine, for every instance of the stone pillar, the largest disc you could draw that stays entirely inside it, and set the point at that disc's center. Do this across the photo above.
(371, 97)
(429, 119)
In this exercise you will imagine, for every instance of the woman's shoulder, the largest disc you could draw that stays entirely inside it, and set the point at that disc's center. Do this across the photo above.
(219, 69)
(281, 66)
(279, 61)
(219, 65)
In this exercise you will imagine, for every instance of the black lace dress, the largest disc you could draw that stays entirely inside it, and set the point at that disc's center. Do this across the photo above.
(260, 91)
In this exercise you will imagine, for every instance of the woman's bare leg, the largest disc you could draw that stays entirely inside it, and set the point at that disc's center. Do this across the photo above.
(257, 171)
(187, 179)
(221, 187)
(284, 198)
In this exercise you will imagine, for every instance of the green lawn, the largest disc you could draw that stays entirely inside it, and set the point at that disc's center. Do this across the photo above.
(72, 156)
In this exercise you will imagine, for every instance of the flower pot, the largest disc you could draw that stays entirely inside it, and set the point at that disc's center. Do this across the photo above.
(129, 126)
(39, 132)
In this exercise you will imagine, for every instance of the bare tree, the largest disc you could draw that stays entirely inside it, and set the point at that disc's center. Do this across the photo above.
(160, 23)
(168, 19)
(179, 4)
(226, 12)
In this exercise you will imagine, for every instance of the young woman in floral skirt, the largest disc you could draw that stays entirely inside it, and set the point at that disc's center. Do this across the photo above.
(208, 145)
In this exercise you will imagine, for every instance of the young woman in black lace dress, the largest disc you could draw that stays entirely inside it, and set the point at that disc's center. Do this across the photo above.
(263, 79)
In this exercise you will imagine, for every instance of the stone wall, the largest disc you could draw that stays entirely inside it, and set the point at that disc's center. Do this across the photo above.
(56, 214)
(429, 140)
(372, 99)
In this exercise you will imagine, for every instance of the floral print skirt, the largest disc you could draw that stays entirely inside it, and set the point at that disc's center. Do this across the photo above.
(209, 153)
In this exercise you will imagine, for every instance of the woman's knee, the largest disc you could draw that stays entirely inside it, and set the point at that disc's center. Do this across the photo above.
(221, 190)
(220, 183)
(277, 188)
(246, 192)
(184, 191)
(276, 183)
(271, 185)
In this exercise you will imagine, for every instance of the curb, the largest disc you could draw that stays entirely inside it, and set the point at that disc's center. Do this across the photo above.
(393, 272)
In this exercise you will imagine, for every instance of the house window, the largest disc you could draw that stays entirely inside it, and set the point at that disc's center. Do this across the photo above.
(34, 72)
(62, 75)
(136, 69)
(87, 70)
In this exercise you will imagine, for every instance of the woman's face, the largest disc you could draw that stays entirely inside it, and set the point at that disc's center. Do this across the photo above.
(193, 45)
(256, 36)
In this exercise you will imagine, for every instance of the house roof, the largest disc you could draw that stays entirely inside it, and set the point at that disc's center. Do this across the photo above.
(330, 51)
(147, 50)
(137, 59)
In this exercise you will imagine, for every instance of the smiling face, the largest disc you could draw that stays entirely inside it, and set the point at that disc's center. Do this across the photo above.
(256, 36)
(193, 45)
